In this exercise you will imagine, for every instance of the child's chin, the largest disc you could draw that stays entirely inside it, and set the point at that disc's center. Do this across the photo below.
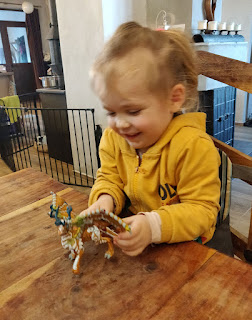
(136, 145)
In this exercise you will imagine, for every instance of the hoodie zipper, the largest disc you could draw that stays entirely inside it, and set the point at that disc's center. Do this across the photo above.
(138, 164)
(136, 180)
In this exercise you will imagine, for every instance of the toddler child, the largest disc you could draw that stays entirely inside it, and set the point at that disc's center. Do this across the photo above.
(155, 155)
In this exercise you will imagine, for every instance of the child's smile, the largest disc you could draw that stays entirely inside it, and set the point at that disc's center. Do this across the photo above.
(132, 136)
(134, 112)
(141, 121)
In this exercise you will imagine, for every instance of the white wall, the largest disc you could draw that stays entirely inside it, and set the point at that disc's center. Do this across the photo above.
(81, 38)
(239, 12)
(187, 12)
(181, 9)
(116, 12)
(82, 29)
(139, 13)
(42, 7)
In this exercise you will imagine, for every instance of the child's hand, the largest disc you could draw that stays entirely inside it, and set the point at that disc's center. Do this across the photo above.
(140, 237)
(105, 201)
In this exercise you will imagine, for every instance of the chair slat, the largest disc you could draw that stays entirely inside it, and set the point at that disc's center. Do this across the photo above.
(236, 156)
(242, 172)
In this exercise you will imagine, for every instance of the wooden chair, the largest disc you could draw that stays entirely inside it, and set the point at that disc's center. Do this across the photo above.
(239, 75)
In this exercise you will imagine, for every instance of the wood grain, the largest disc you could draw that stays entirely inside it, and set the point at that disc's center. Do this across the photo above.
(24, 187)
(232, 72)
(179, 281)
(24, 283)
(239, 243)
(29, 241)
(32, 206)
(242, 172)
(122, 288)
(221, 289)
(236, 156)
(242, 169)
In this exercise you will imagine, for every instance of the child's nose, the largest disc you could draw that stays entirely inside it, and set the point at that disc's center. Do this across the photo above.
(122, 123)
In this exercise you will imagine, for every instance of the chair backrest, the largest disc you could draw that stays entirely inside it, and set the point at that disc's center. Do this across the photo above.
(225, 174)
(241, 169)
(236, 74)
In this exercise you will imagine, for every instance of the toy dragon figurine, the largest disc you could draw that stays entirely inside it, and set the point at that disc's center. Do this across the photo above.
(99, 226)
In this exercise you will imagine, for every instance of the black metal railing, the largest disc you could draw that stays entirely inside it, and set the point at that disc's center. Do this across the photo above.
(60, 142)
(31, 100)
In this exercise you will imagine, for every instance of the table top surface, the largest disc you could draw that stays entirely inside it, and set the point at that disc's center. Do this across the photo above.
(180, 281)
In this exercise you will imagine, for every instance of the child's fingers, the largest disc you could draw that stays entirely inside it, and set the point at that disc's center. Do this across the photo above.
(126, 235)
(134, 252)
(126, 244)
(83, 213)
(91, 208)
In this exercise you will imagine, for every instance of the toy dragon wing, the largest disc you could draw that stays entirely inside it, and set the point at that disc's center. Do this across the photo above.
(62, 212)
(97, 216)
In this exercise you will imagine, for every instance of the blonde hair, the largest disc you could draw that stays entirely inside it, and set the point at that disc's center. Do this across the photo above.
(173, 54)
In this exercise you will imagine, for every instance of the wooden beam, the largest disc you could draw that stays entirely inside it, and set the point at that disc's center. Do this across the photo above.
(236, 156)
(242, 172)
(232, 72)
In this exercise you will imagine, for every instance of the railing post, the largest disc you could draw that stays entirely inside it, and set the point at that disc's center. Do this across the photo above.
(98, 134)
(36, 113)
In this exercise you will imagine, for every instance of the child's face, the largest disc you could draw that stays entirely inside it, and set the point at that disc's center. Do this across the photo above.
(135, 113)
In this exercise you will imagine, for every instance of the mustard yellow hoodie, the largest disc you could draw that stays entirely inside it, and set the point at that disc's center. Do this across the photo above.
(178, 178)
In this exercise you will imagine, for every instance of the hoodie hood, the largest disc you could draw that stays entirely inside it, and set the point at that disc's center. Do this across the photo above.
(196, 120)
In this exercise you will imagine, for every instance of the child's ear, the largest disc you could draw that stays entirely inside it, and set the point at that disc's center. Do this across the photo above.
(177, 97)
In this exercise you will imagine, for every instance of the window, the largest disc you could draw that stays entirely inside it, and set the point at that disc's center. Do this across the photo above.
(2, 57)
(6, 15)
(20, 52)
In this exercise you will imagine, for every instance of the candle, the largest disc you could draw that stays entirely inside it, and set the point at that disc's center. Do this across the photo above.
(212, 25)
(230, 26)
(202, 25)
(237, 27)
(222, 26)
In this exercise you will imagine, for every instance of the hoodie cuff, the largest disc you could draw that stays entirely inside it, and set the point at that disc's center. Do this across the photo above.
(155, 225)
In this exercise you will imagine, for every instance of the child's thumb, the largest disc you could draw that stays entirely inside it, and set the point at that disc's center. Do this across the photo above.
(128, 220)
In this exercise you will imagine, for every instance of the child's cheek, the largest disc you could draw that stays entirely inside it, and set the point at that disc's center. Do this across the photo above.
(111, 123)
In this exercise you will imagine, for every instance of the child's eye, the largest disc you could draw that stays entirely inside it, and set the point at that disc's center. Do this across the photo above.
(110, 114)
(134, 112)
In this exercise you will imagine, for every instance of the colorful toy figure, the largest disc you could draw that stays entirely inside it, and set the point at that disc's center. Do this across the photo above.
(99, 226)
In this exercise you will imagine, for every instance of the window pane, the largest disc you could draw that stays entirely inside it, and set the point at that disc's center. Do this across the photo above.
(2, 57)
(6, 15)
(20, 52)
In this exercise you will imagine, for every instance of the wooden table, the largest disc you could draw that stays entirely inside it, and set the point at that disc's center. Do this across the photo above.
(181, 281)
